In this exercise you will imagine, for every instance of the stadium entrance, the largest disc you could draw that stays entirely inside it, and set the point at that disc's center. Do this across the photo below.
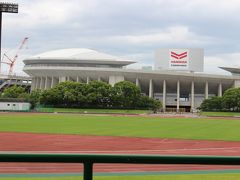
(181, 109)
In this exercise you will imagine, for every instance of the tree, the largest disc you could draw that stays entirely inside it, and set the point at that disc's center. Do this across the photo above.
(150, 103)
(214, 103)
(125, 94)
(14, 92)
(81, 93)
(155, 105)
(98, 94)
(66, 94)
(34, 97)
(231, 99)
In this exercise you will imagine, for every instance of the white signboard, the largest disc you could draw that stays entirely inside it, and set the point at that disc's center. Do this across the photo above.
(186, 59)
(178, 58)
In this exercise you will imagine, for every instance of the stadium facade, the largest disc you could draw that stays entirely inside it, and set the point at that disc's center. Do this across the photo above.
(176, 79)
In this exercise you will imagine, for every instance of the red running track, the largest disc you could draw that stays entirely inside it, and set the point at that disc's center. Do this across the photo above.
(49, 143)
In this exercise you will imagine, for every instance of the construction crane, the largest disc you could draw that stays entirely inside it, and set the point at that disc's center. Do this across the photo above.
(11, 61)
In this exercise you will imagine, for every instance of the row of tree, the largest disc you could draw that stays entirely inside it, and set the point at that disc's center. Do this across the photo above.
(230, 101)
(96, 94)
(99, 94)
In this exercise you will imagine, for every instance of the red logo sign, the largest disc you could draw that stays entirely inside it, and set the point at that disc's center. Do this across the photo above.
(178, 56)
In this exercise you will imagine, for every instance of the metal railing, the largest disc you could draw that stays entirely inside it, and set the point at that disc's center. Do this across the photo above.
(89, 159)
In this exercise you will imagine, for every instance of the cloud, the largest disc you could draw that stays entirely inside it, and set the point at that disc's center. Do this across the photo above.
(170, 35)
(133, 28)
(212, 63)
(38, 13)
(18, 66)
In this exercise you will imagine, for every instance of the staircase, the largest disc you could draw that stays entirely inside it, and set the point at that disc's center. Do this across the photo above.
(12, 82)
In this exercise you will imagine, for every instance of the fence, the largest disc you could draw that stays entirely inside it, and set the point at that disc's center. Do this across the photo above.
(89, 159)
(45, 109)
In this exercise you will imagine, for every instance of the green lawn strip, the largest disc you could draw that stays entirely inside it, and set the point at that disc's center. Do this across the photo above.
(152, 127)
(96, 111)
(188, 172)
(225, 114)
(217, 176)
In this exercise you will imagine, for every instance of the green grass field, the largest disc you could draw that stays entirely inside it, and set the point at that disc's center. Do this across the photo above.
(190, 128)
(226, 114)
(138, 126)
(94, 111)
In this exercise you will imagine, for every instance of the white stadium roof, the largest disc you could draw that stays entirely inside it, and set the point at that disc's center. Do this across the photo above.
(77, 54)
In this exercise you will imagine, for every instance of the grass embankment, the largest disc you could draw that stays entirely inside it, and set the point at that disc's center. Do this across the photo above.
(161, 177)
(94, 111)
(180, 128)
(225, 114)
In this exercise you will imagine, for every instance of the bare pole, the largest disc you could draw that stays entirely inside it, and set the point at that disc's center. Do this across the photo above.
(0, 42)
(6, 8)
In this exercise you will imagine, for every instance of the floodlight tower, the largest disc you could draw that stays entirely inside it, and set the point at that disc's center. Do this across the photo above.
(5, 8)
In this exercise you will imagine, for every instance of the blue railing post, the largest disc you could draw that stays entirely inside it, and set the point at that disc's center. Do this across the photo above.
(87, 171)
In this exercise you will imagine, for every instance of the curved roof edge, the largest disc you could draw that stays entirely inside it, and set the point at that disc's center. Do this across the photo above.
(78, 55)
(233, 70)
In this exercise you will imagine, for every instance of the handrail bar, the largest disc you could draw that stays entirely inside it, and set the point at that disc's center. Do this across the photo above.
(89, 159)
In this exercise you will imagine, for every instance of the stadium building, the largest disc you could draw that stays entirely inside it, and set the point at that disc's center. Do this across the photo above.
(177, 78)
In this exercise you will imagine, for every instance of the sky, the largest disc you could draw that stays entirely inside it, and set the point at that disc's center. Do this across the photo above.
(131, 29)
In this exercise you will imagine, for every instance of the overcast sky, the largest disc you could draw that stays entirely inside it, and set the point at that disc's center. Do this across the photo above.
(132, 29)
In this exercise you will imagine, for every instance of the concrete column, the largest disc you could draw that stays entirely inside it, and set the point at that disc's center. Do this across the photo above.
(33, 83)
(164, 96)
(220, 90)
(178, 95)
(38, 83)
(39, 80)
(52, 81)
(151, 88)
(62, 79)
(206, 90)
(78, 79)
(137, 82)
(192, 96)
(41, 83)
(99, 78)
(236, 84)
(43, 80)
(46, 81)
(115, 79)
(88, 80)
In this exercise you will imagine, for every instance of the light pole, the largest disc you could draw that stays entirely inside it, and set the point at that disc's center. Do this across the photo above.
(5, 8)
